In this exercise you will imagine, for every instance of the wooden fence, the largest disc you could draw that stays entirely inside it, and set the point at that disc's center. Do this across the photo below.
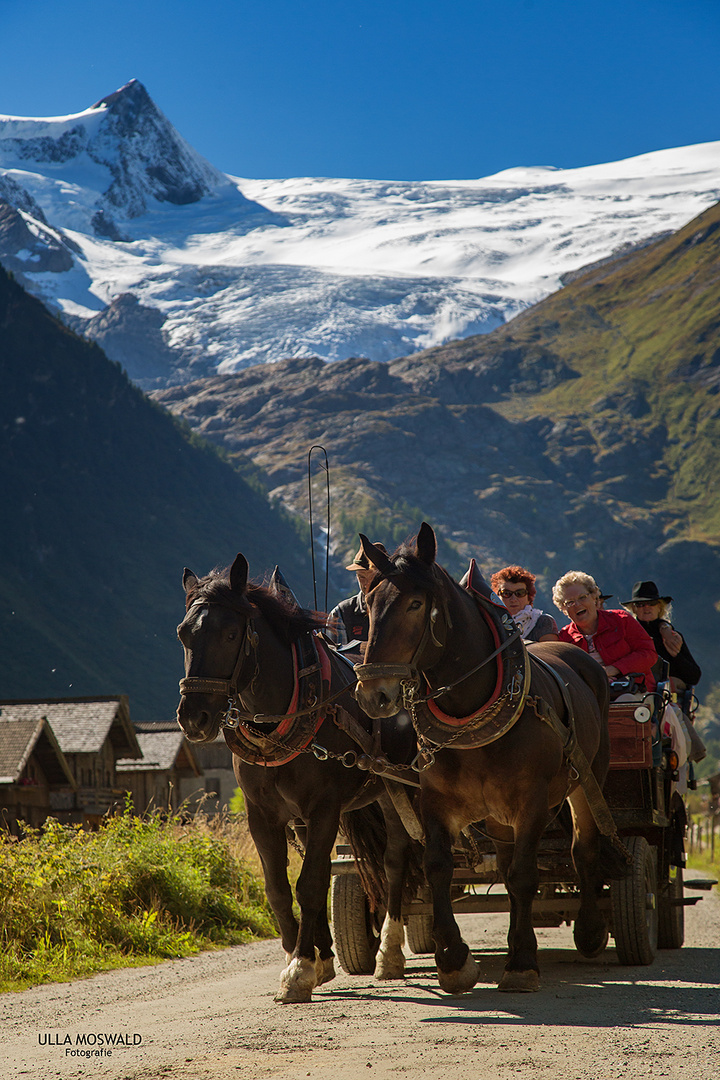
(703, 837)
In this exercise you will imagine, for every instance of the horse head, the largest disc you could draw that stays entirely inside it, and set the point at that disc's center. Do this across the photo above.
(220, 648)
(404, 614)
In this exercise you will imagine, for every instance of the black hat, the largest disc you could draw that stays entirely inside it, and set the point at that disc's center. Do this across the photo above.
(646, 591)
(360, 562)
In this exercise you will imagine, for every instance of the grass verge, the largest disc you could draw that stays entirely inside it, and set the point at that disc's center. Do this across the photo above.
(137, 891)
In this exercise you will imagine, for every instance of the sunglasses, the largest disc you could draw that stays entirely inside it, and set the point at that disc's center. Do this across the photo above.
(512, 592)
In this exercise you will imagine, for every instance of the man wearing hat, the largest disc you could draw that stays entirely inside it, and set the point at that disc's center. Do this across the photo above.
(349, 621)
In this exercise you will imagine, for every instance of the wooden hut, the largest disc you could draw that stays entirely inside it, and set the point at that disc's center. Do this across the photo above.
(168, 763)
(33, 769)
(93, 734)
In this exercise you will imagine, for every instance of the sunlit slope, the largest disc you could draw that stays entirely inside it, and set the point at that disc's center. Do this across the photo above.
(627, 350)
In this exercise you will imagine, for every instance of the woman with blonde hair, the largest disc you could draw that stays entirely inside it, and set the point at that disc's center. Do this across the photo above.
(614, 638)
(653, 612)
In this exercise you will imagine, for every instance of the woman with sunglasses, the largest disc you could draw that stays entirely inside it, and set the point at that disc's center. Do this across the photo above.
(516, 588)
(653, 611)
(614, 638)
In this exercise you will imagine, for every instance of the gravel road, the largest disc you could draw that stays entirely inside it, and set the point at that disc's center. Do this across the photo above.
(212, 1017)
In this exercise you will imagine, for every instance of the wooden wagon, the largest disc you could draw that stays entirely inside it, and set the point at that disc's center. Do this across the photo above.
(645, 909)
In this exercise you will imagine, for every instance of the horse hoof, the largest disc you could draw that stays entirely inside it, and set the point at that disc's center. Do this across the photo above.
(591, 945)
(297, 982)
(389, 965)
(459, 982)
(520, 982)
(325, 970)
(390, 960)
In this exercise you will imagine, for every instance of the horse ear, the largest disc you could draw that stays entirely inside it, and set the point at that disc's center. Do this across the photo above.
(377, 557)
(426, 545)
(189, 580)
(364, 578)
(239, 573)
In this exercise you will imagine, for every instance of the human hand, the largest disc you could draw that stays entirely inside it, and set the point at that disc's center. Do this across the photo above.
(671, 639)
(611, 671)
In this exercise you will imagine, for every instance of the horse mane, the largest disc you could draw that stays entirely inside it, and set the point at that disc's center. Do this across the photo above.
(413, 573)
(287, 620)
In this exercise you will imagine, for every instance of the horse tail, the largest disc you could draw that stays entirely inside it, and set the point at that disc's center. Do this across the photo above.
(366, 832)
(612, 863)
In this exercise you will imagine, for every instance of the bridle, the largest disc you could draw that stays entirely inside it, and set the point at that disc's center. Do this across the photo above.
(410, 675)
(229, 687)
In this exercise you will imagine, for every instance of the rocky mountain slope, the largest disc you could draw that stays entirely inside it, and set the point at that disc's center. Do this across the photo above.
(583, 434)
(105, 499)
(179, 271)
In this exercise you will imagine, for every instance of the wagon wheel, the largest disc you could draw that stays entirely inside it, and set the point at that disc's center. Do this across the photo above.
(634, 905)
(419, 934)
(356, 930)
(671, 915)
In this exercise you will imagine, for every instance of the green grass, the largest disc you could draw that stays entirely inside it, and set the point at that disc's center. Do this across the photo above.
(138, 891)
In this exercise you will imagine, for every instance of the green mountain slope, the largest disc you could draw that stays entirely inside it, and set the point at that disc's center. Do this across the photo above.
(629, 350)
(105, 500)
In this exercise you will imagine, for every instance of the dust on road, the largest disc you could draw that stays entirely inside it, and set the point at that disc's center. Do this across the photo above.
(212, 1017)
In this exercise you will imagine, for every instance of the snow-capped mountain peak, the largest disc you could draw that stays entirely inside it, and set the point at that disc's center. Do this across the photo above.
(122, 150)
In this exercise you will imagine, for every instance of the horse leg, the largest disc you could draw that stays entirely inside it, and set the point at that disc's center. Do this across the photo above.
(456, 967)
(390, 959)
(271, 842)
(518, 865)
(324, 956)
(306, 968)
(590, 929)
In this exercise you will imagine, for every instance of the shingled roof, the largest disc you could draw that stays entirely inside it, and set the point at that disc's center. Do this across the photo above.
(19, 738)
(161, 750)
(81, 725)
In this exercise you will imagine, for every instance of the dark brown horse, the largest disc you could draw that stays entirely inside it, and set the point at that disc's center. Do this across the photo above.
(427, 633)
(255, 665)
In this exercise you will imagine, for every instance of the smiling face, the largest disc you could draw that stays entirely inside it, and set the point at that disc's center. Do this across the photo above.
(580, 605)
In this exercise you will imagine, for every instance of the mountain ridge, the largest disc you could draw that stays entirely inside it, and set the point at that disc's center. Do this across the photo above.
(258, 270)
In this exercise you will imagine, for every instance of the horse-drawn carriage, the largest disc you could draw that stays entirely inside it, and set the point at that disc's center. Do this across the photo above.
(645, 909)
(524, 731)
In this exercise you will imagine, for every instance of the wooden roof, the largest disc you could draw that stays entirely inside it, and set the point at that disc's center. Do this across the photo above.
(161, 750)
(19, 739)
(81, 725)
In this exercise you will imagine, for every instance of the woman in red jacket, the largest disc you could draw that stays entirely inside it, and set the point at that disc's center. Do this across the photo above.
(613, 638)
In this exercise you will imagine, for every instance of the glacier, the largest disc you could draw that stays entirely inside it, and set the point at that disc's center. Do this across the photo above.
(231, 271)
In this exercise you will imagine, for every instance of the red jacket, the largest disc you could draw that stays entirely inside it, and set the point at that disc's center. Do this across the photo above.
(621, 641)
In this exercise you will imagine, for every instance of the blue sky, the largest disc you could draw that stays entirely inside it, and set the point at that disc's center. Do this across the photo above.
(400, 89)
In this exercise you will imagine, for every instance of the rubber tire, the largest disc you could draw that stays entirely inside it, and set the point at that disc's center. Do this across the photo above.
(671, 917)
(419, 934)
(634, 924)
(355, 933)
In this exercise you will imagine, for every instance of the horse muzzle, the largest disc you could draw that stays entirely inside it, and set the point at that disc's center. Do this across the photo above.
(200, 724)
(379, 697)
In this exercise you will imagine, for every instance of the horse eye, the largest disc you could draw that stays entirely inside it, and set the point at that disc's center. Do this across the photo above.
(232, 634)
(414, 605)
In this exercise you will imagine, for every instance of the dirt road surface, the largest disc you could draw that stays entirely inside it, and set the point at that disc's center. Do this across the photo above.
(212, 1017)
